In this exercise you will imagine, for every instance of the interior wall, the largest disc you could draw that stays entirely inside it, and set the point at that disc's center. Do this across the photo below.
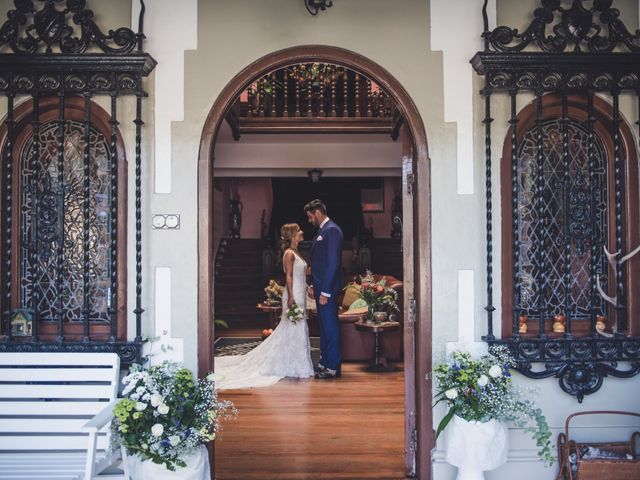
(256, 195)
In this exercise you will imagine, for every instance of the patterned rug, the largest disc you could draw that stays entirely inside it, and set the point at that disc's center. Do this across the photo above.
(242, 345)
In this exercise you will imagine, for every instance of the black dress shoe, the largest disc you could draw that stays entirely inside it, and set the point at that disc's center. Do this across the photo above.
(326, 374)
(318, 368)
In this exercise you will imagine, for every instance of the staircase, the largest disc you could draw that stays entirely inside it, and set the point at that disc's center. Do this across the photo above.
(386, 256)
(238, 283)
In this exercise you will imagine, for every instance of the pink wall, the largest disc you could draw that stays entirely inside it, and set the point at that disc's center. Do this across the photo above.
(382, 221)
(255, 195)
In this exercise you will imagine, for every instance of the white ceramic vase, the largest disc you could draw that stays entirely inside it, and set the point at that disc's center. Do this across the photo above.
(197, 468)
(475, 447)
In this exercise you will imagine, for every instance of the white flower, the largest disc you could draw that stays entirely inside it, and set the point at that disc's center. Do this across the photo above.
(495, 371)
(140, 406)
(215, 377)
(157, 430)
(483, 380)
(174, 440)
(451, 394)
(156, 399)
(163, 409)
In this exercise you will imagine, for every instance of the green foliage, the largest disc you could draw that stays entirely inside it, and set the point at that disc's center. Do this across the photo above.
(220, 323)
(482, 389)
(378, 296)
(167, 414)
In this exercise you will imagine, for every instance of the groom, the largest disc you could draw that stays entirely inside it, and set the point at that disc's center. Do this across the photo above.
(326, 270)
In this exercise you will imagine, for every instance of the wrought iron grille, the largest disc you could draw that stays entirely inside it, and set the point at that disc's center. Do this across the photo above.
(566, 212)
(51, 215)
(568, 197)
(62, 268)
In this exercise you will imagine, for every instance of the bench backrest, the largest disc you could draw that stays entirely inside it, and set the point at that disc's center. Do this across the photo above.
(45, 398)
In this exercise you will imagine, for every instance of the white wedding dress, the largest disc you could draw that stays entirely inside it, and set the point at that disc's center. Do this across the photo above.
(284, 353)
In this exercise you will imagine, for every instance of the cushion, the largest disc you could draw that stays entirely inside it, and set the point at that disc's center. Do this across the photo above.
(358, 306)
(350, 295)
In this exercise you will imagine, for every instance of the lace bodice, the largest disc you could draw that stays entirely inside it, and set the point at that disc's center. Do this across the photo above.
(299, 287)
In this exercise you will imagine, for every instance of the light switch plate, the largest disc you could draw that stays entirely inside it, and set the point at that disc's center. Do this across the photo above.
(169, 221)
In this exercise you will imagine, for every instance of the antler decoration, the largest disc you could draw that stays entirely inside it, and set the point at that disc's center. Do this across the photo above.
(611, 258)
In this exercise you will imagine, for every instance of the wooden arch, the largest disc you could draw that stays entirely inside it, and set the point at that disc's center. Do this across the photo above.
(422, 214)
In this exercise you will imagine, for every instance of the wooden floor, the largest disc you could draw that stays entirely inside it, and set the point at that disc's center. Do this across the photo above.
(348, 428)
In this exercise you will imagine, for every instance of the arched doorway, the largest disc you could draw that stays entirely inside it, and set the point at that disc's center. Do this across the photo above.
(417, 334)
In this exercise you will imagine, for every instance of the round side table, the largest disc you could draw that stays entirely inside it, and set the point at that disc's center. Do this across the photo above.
(379, 362)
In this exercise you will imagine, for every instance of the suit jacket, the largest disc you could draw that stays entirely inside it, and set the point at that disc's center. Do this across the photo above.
(326, 260)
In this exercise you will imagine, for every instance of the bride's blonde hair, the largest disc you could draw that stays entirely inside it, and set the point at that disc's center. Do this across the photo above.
(287, 233)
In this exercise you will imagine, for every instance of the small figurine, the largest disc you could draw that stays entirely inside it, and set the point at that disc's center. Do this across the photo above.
(559, 321)
(523, 323)
(601, 326)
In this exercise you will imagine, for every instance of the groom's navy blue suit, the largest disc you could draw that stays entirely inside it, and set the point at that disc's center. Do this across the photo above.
(326, 269)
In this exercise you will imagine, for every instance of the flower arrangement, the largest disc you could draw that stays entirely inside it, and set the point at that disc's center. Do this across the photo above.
(273, 294)
(378, 296)
(166, 414)
(482, 389)
(295, 313)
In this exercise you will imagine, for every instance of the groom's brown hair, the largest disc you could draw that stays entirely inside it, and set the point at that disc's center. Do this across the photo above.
(314, 205)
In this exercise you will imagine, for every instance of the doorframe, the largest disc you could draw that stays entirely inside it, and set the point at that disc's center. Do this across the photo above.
(420, 333)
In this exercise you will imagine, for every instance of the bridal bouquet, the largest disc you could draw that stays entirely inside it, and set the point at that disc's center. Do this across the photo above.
(166, 415)
(481, 390)
(295, 313)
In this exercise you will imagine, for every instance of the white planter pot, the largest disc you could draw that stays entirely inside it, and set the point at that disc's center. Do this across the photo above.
(474, 447)
(197, 468)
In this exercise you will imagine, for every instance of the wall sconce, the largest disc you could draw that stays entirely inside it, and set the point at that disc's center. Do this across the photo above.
(314, 175)
(314, 6)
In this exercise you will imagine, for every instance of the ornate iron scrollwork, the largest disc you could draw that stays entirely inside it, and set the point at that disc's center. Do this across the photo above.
(315, 6)
(45, 45)
(564, 207)
(576, 27)
(579, 365)
(129, 352)
(49, 28)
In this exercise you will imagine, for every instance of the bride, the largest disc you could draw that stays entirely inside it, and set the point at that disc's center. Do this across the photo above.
(286, 352)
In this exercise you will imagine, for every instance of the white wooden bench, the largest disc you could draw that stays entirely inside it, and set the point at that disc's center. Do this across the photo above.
(54, 415)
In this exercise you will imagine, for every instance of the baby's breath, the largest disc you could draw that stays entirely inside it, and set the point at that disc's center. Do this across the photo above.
(167, 414)
(482, 390)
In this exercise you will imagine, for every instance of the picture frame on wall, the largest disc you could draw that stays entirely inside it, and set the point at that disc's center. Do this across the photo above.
(372, 198)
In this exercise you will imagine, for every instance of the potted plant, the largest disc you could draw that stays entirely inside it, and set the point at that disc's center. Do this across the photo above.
(165, 419)
(482, 399)
(378, 296)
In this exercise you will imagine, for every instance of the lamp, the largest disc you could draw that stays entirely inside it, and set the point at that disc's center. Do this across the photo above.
(314, 6)
(314, 174)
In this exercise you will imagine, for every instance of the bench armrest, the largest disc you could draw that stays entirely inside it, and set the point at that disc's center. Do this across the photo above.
(101, 418)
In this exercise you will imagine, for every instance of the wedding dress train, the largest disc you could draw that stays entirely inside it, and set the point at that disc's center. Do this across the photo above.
(285, 353)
